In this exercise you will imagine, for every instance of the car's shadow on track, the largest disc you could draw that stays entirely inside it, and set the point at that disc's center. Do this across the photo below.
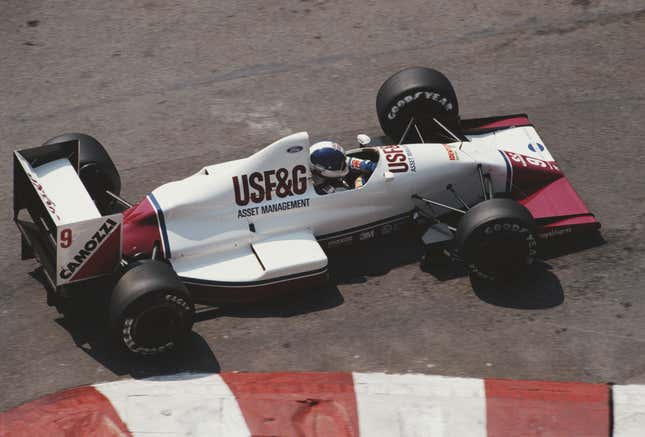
(86, 322)
(90, 335)
(570, 244)
(537, 288)
(87, 326)
(355, 264)
(291, 304)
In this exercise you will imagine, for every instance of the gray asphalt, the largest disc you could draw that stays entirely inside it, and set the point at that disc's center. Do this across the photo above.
(171, 86)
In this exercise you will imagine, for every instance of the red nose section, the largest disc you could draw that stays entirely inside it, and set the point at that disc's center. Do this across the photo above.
(141, 229)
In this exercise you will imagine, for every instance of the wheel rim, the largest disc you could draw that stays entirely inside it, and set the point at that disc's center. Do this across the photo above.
(502, 254)
(501, 251)
(153, 331)
(156, 327)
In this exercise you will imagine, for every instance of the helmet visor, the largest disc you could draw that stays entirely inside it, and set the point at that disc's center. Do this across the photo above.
(329, 162)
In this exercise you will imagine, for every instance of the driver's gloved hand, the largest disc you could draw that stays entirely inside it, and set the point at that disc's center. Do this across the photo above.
(363, 140)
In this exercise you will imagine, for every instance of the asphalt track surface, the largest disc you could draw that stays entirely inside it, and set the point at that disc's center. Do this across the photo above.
(171, 86)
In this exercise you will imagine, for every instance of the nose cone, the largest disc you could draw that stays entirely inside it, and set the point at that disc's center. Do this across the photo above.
(141, 229)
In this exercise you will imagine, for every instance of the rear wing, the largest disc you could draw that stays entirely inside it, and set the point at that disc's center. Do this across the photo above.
(60, 225)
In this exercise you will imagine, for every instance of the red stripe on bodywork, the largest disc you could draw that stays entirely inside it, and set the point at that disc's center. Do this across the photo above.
(77, 412)
(506, 122)
(532, 408)
(104, 259)
(298, 404)
(140, 229)
(531, 174)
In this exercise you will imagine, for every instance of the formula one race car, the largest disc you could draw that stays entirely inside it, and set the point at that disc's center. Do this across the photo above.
(486, 189)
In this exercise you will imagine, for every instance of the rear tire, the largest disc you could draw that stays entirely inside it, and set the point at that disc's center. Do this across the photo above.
(151, 311)
(422, 93)
(96, 170)
(495, 239)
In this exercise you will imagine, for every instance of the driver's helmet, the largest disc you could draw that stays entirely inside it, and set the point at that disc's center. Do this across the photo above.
(328, 160)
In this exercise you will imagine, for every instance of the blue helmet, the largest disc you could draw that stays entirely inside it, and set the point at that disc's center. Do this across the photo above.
(328, 160)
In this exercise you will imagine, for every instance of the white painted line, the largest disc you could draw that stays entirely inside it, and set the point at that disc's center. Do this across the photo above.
(419, 405)
(629, 410)
(183, 404)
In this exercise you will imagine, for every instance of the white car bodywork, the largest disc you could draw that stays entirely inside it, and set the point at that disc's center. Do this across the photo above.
(216, 233)
(242, 225)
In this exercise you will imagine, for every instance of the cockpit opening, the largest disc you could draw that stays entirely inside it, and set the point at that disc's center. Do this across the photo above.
(333, 170)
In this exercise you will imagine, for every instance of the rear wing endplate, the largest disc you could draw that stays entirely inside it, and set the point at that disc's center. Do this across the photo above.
(64, 230)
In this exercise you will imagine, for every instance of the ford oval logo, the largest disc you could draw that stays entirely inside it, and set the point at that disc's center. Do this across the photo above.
(294, 149)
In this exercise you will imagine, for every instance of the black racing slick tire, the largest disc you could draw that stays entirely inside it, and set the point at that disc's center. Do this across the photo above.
(495, 239)
(419, 93)
(151, 311)
(96, 169)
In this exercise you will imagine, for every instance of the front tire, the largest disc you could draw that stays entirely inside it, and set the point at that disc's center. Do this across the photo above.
(419, 93)
(495, 239)
(151, 311)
